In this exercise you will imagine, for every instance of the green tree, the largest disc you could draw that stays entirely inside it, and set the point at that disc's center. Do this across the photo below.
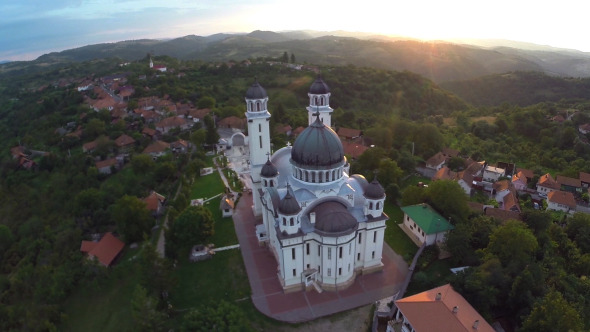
(94, 127)
(193, 226)
(578, 229)
(389, 173)
(292, 58)
(142, 163)
(212, 136)
(132, 218)
(218, 316)
(285, 58)
(413, 195)
(448, 198)
(206, 102)
(6, 239)
(553, 313)
(144, 312)
(513, 243)
(198, 137)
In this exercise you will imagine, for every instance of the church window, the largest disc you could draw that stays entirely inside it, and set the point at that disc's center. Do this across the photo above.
(260, 140)
(313, 177)
(373, 255)
(329, 272)
(350, 248)
(315, 101)
(259, 128)
(284, 221)
(294, 272)
(374, 236)
(290, 221)
(329, 253)
(293, 253)
(320, 177)
(327, 176)
(340, 252)
(307, 266)
(271, 183)
(307, 248)
(378, 205)
(319, 250)
(348, 267)
(306, 176)
(322, 101)
(360, 237)
(370, 205)
(339, 271)
(358, 256)
(258, 106)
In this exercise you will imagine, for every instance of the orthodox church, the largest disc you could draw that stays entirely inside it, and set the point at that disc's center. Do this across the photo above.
(323, 226)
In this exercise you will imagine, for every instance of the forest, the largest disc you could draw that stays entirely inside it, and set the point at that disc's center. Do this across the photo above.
(519, 269)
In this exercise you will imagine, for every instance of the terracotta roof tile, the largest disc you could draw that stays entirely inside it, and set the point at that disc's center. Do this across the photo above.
(526, 172)
(585, 177)
(563, 198)
(157, 147)
(349, 132)
(547, 181)
(105, 250)
(124, 140)
(153, 201)
(566, 181)
(502, 214)
(436, 160)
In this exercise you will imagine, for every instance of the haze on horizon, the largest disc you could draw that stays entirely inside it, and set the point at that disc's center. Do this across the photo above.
(30, 28)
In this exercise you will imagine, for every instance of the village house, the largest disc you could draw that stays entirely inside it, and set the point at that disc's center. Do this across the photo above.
(283, 129)
(105, 251)
(149, 132)
(502, 215)
(444, 173)
(502, 189)
(157, 149)
(584, 128)
(569, 184)
(584, 179)
(90, 146)
(546, 184)
(353, 150)
(492, 174)
(519, 181)
(173, 122)
(106, 166)
(527, 173)
(232, 122)
(425, 224)
(197, 115)
(125, 143)
(436, 162)
(437, 309)
(155, 203)
(227, 206)
(180, 146)
(349, 133)
(561, 201)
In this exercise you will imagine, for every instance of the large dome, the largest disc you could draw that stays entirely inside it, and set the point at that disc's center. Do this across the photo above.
(256, 91)
(319, 87)
(318, 146)
(333, 217)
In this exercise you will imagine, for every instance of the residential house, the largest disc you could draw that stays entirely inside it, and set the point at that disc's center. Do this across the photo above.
(155, 203)
(502, 214)
(569, 184)
(232, 122)
(197, 115)
(226, 206)
(425, 224)
(444, 173)
(450, 153)
(492, 173)
(519, 181)
(298, 131)
(106, 166)
(510, 202)
(585, 179)
(509, 168)
(180, 146)
(90, 146)
(466, 180)
(546, 184)
(500, 189)
(349, 133)
(561, 201)
(173, 122)
(284, 129)
(125, 143)
(584, 129)
(157, 149)
(149, 132)
(105, 251)
(527, 173)
(436, 162)
(353, 150)
(437, 309)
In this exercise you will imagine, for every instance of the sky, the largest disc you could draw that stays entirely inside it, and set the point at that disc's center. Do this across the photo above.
(30, 28)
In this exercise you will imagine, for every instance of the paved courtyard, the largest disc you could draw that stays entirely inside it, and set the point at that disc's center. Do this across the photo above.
(301, 306)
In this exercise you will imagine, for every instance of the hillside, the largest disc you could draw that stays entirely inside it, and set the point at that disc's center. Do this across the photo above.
(519, 88)
(437, 60)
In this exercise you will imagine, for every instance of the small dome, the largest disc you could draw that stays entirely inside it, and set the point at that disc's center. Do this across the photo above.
(256, 91)
(289, 204)
(269, 170)
(374, 190)
(319, 87)
(318, 146)
(333, 217)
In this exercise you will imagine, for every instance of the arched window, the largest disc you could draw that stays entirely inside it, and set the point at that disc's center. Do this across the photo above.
(322, 101)
(284, 221)
(378, 205)
(370, 205)
(271, 183)
(306, 176)
(290, 221)
(265, 184)
(258, 106)
(320, 177)
(327, 176)
(313, 177)
(315, 101)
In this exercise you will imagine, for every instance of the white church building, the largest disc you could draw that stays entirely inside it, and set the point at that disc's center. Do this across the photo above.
(323, 226)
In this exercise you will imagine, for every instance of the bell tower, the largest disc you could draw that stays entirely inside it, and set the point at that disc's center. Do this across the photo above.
(258, 137)
(319, 101)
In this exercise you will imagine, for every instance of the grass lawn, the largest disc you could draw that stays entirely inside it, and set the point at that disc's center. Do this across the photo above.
(103, 305)
(394, 236)
(225, 234)
(413, 181)
(207, 186)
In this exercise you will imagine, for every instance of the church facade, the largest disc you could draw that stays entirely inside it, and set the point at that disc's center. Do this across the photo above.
(323, 226)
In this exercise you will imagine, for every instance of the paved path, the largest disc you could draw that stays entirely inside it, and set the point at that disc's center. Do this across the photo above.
(226, 248)
(267, 293)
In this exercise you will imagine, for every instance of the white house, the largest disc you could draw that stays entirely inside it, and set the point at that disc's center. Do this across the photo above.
(323, 226)
(561, 201)
(492, 173)
(546, 184)
(425, 224)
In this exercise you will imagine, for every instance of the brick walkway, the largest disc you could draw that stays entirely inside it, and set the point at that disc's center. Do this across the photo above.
(268, 295)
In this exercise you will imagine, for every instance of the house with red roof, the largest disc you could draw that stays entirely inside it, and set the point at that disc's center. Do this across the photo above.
(585, 179)
(561, 201)
(519, 181)
(352, 149)
(232, 122)
(106, 166)
(180, 146)
(157, 149)
(546, 184)
(584, 128)
(349, 133)
(198, 115)
(105, 251)
(125, 143)
(172, 122)
(436, 162)
(155, 203)
(438, 309)
(569, 184)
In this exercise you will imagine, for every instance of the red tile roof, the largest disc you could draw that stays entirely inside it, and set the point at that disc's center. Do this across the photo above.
(547, 181)
(433, 310)
(106, 163)
(353, 150)
(148, 131)
(153, 201)
(436, 160)
(502, 185)
(444, 174)
(450, 152)
(200, 113)
(157, 147)
(570, 182)
(171, 122)
(502, 214)
(124, 140)
(585, 177)
(105, 250)
(232, 122)
(562, 197)
(510, 202)
(520, 176)
(349, 132)
(526, 172)
(298, 130)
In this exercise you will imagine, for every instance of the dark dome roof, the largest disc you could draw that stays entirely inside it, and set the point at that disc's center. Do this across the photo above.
(289, 204)
(256, 91)
(319, 87)
(333, 217)
(269, 170)
(318, 146)
(374, 190)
